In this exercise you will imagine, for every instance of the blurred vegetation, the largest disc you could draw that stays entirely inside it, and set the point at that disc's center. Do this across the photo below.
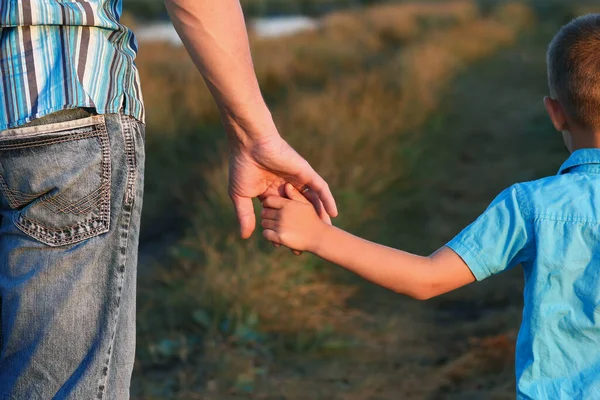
(149, 9)
(153, 9)
(413, 113)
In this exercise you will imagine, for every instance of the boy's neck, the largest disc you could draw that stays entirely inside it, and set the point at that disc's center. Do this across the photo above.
(585, 140)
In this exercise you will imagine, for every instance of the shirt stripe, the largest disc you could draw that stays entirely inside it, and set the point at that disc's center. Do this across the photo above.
(56, 55)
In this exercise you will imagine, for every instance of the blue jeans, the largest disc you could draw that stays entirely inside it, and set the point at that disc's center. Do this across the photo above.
(71, 189)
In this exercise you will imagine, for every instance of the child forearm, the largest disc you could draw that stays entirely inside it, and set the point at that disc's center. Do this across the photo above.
(393, 269)
(294, 223)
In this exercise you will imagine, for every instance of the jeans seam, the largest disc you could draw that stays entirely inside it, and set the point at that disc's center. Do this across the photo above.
(1, 334)
(126, 213)
(131, 158)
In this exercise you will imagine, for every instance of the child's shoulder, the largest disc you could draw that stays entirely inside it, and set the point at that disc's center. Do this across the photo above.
(560, 184)
(551, 182)
(555, 195)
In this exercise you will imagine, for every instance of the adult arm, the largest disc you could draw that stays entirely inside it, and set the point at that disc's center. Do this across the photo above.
(214, 34)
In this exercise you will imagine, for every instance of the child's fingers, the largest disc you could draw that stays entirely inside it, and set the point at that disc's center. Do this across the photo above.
(268, 224)
(268, 213)
(271, 236)
(274, 202)
(294, 194)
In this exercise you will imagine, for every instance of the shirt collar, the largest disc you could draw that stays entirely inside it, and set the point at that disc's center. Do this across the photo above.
(579, 158)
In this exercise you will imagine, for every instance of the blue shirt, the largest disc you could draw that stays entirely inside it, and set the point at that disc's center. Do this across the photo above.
(57, 54)
(552, 228)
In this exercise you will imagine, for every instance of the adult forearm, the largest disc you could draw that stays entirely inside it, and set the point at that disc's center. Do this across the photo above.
(396, 270)
(214, 33)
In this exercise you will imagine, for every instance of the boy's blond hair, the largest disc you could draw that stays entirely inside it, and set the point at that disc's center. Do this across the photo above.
(574, 69)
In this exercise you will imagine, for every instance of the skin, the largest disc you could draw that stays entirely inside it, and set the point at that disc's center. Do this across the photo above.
(294, 223)
(575, 135)
(260, 161)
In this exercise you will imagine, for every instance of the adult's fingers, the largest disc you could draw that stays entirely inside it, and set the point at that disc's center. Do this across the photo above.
(244, 210)
(293, 194)
(318, 205)
(308, 197)
(314, 181)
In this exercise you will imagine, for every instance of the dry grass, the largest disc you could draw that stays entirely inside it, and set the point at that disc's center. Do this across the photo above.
(362, 117)
(347, 41)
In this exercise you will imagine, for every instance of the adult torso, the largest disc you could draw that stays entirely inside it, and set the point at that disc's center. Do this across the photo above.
(65, 54)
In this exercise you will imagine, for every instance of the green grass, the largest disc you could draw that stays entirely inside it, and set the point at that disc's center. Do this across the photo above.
(437, 114)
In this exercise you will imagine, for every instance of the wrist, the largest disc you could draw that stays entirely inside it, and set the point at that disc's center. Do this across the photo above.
(321, 238)
(248, 123)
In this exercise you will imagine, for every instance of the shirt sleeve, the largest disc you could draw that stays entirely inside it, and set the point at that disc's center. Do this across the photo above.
(499, 239)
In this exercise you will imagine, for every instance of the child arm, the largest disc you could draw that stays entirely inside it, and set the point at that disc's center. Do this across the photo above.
(294, 224)
(405, 273)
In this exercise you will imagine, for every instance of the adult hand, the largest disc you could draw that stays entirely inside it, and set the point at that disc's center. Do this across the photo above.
(260, 165)
(214, 34)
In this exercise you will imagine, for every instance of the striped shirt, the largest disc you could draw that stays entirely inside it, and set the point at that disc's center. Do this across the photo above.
(57, 54)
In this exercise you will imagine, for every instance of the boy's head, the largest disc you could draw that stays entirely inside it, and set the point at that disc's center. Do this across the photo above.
(574, 79)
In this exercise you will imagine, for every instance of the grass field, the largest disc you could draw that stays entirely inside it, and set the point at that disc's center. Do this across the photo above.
(417, 115)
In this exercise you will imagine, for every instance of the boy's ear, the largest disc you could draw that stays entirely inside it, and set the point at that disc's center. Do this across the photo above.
(556, 113)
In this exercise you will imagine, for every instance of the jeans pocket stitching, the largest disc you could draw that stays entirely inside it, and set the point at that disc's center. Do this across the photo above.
(131, 158)
(12, 201)
(85, 229)
(53, 128)
(16, 144)
(15, 198)
(59, 205)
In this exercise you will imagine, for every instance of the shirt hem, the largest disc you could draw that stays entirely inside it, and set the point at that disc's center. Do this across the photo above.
(473, 261)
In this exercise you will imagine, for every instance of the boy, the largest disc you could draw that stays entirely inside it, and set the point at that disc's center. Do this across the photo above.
(550, 226)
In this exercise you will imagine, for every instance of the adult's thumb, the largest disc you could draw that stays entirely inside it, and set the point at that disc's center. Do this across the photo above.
(245, 214)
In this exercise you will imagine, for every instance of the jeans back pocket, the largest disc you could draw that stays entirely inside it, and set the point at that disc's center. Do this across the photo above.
(56, 179)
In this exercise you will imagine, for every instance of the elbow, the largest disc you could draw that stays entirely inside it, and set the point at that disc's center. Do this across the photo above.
(423, 294)
(424, 289)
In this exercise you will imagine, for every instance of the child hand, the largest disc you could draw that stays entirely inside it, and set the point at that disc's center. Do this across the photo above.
(292, 222)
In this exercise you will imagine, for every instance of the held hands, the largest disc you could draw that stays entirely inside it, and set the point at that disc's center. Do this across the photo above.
(292, 222)
(260, 167)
